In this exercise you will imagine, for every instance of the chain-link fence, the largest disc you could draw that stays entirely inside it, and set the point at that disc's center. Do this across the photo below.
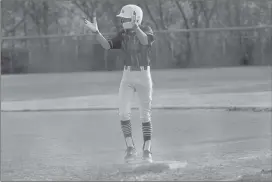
(172, 49)
(213, 48)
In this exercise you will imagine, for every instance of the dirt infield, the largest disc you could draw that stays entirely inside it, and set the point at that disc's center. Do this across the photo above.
(217, 145)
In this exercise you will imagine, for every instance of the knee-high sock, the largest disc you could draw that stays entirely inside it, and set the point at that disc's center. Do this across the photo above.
(147, 134)
(127, 131)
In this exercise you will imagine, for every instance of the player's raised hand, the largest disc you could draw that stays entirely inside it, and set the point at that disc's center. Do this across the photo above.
(92, 25)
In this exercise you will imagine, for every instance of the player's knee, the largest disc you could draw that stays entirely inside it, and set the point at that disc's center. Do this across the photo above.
(146, 119)
(146, 116)
(124, 116)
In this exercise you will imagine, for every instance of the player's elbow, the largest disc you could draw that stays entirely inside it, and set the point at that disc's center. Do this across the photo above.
(106, 46)
(103, 42)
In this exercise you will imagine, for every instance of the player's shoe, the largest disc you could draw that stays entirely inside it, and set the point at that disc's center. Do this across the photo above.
(147, 156)
(131, 154)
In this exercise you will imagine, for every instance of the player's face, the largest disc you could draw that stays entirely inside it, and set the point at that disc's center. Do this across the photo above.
(125, 20)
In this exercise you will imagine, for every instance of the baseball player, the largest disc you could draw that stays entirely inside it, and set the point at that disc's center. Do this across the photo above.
(135, 41)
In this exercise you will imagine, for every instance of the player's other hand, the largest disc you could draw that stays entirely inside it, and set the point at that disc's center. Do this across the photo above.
(91, 25)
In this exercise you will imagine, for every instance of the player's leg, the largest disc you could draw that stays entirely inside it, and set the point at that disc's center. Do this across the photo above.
(126, 92)
(144, 91)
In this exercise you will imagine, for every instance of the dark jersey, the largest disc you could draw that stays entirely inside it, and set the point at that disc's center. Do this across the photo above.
(135, 53)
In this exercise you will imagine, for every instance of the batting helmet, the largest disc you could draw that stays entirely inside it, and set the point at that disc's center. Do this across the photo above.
(128, 12)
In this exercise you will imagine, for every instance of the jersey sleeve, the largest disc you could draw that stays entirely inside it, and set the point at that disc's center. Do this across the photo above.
(149, 32)
(116, 42)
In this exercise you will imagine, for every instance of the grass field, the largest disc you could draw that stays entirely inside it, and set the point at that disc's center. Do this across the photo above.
(217, 80)
(85, 145)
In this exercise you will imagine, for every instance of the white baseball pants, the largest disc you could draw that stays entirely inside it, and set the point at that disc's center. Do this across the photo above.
(139, 82)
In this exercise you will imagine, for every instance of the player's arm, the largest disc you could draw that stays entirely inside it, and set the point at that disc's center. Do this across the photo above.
(145, 35)
(114, 43)
(103, 41)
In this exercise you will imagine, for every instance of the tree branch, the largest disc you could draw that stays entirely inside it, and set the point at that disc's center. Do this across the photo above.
(8, 31)
(151, 16)
(161, 15)
(213, 10)
(81, 8)
(186, 22)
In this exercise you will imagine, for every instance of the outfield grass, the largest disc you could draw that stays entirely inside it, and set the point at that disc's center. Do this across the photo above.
(40, 86)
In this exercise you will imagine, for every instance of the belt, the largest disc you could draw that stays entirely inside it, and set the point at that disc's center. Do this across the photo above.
(132, 68)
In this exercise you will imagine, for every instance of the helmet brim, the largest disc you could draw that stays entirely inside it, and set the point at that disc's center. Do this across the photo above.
(122, 16)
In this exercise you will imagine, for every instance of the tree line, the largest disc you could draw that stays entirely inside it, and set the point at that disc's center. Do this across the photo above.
(43, 17)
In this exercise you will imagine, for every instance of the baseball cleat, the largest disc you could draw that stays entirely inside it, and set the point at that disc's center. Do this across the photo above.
(131, 154)
(147, 156)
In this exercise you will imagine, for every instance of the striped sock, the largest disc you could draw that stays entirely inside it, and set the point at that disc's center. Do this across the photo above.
(126, 128)
(147, 130)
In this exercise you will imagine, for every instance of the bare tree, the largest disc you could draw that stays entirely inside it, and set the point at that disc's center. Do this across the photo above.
(187, 25)
(207, 12)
